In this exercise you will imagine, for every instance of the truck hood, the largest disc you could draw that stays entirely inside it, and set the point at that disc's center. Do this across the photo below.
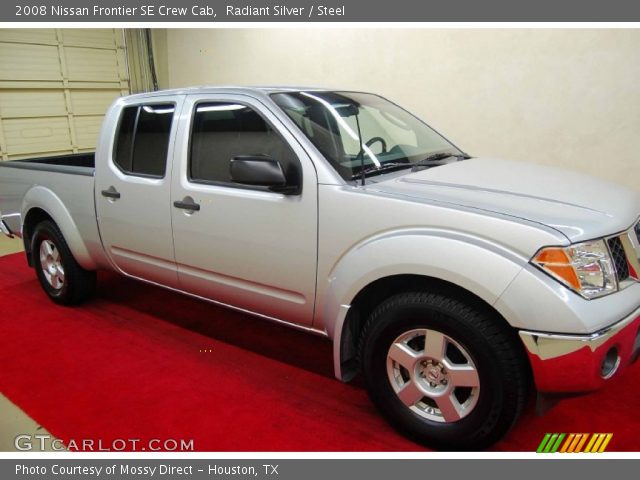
(579, 206)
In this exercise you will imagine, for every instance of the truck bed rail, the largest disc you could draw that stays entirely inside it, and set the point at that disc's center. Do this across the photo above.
(74, 164)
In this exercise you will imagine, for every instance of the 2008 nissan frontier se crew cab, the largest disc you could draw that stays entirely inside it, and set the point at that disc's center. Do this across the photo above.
(453, 284)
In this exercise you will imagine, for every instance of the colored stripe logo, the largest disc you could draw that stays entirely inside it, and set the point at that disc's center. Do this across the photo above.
(574, 443)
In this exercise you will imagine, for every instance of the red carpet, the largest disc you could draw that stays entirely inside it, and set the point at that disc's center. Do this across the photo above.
(129, 365)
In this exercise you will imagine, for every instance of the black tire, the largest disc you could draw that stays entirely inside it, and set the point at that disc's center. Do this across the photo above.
(78, 284)
(501, 373)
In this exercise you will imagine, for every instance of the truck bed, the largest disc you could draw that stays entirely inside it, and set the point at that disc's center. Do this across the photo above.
(63, 183)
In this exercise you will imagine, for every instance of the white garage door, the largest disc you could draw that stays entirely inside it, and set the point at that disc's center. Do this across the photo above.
(55, 87)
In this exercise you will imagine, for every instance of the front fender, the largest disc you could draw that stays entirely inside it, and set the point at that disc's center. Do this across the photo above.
(480, 266)
(46, 200)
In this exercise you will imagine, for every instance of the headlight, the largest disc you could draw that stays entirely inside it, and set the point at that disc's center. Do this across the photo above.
(585, 267)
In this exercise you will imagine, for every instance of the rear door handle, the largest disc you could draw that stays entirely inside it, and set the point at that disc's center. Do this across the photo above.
(187, 203)
(111, 192)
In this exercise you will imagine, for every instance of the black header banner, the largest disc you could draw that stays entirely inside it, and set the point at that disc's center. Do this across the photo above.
(212, 11)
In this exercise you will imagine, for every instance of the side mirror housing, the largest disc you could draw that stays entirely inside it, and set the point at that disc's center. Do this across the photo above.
(261, 171)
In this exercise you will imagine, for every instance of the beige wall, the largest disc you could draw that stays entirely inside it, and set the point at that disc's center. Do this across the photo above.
(567, 97)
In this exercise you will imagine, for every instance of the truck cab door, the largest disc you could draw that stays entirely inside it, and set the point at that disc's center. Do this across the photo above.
(242, 245)
(133, 190)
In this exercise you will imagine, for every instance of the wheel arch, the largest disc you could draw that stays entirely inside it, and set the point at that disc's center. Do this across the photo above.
(41, 204)
(470, 265)
(347, 340)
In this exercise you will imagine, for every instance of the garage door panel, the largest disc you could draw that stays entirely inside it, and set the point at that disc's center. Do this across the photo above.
(90, 37)
(92, 102)
(55, 88)
(122, 65)
(22, 35)
(24, 136)
(91, 64)
(32, 103)
(87, 130)
(29, 62)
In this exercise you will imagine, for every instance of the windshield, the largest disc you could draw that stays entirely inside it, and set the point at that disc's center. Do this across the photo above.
(336, 121)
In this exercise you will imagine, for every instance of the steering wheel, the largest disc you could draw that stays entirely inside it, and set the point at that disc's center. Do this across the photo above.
(373, 140)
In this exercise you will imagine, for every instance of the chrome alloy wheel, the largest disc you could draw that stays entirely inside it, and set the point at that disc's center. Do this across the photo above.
(51, 264)
(433, 375)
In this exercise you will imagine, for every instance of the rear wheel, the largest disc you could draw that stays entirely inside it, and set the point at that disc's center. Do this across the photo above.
(443, 372)
(60, 276)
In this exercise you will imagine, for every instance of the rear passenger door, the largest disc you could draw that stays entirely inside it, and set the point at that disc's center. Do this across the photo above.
(133, 191)
(244, 246)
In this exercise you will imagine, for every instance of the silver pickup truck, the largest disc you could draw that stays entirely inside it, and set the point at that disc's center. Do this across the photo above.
(455, 285)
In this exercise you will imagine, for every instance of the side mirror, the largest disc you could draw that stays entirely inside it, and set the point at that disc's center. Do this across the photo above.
(260, 171)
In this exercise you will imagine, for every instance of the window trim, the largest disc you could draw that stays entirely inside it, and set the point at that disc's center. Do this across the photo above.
(217, 183)
(139, 107)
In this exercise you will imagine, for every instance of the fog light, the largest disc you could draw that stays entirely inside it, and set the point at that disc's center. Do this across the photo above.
(610, 363)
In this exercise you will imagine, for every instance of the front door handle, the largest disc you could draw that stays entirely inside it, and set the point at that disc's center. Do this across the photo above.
(111, 192)
(187, 203)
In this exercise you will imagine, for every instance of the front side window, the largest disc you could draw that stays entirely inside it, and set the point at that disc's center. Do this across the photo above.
(143, 139)
(222, 131)
(359, 130)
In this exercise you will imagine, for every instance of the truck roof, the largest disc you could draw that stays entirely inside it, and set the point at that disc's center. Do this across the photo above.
(253, 90)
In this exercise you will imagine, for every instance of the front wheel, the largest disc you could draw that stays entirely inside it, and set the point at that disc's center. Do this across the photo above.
(443, 372)
(60, 276)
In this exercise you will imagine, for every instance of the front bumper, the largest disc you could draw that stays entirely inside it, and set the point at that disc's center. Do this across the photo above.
(582, 363)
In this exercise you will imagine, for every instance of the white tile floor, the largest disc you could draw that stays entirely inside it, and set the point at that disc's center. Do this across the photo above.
(13, 421)
(9, 245)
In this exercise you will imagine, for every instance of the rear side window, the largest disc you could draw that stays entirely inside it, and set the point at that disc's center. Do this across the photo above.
(143, 139)
(222, 131)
